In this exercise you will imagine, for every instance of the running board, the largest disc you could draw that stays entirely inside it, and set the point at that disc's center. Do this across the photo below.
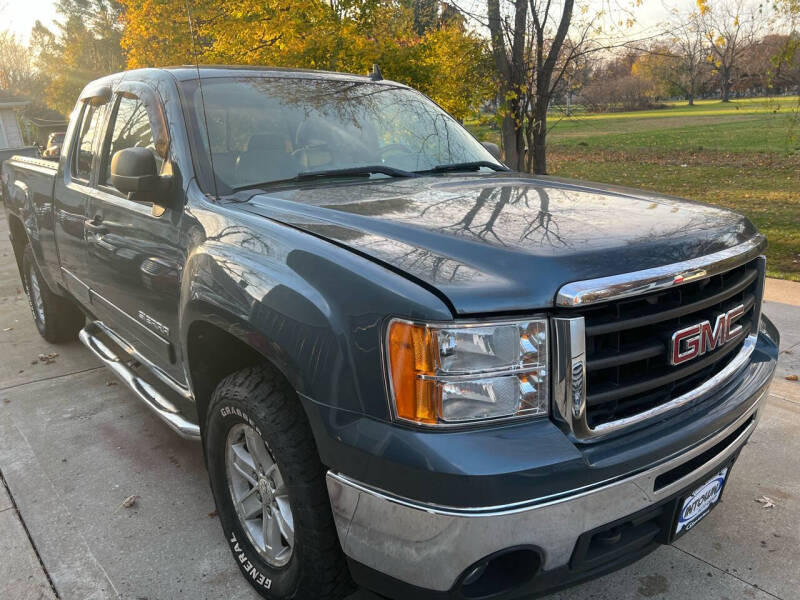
(156, 401)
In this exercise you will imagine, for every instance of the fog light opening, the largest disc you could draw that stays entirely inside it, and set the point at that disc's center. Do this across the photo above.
(500, 572)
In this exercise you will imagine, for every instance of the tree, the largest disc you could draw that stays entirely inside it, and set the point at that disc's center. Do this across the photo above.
(730, 28)
(418, 43)
(508, 52)
(84, 46)
(526, 48)
(426, 14)
(17, 70)
(689, 47)
(786, 61)
(767, 66)
(623, 82)
(660, 68)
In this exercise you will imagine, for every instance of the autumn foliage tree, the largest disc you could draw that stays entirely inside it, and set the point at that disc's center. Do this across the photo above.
(83, 45)
(415, 42)
(731, 29)
(17, 69)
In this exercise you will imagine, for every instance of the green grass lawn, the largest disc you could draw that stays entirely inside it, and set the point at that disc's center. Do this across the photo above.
(744, 155)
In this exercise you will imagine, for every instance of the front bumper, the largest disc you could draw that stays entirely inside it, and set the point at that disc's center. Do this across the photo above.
(420, 546)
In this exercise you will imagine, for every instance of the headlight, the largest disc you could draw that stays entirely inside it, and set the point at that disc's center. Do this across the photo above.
(449, 374)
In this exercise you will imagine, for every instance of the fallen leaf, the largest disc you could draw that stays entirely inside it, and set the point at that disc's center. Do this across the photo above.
(8, 329)
(6, 401)
(765, 502)
(109, 383)
(791, 378)
(48, 359)
(129, 502)
(212, 514)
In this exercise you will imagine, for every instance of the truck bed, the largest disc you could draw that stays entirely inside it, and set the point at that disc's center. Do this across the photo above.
(24, 178)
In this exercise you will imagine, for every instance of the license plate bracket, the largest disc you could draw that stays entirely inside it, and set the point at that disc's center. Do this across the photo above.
(695, 506)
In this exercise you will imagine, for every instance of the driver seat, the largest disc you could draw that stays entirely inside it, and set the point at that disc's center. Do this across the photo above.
(266, 159)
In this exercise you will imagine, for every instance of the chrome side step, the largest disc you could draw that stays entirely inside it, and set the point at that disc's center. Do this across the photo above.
(156, 401)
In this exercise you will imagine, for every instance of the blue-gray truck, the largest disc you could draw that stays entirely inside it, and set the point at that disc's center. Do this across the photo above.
(411, 369)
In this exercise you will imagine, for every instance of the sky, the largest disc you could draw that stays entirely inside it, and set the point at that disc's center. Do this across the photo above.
(20, 15)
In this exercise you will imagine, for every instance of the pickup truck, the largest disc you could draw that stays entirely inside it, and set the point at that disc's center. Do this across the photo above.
(410, 368)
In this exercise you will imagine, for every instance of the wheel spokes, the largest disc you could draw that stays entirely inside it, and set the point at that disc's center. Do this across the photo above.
(251, 507)
(271, 529)
(244, 464)
(280, 484)
(260, 494)
(283, 514)
(258, 450)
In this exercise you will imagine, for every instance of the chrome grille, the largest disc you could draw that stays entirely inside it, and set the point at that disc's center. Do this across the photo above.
(612, 338)
(627, 342)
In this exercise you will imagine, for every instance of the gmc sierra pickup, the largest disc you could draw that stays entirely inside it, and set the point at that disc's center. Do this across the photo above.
(409, 367)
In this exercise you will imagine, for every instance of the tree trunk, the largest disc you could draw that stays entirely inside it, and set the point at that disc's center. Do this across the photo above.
(726, 85)
(513, 141)
(509, 63)
(540, 141)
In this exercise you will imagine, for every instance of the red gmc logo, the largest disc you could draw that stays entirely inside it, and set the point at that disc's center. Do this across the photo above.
(690, 342)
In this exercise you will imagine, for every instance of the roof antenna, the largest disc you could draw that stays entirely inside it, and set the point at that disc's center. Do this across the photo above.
(376, 73)
(202, 100)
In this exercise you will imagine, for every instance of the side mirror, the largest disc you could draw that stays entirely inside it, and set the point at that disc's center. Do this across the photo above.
(493, 149)
(133, 171)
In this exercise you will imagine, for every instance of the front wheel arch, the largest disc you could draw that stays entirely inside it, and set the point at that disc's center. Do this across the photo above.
(215, 347)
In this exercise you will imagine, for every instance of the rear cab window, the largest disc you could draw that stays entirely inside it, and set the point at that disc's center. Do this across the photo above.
(83, 156)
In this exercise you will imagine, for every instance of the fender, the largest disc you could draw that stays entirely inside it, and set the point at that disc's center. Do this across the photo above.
(315, 310)
(203, 310)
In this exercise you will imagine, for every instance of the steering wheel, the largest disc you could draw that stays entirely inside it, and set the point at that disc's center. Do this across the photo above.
(313, 155)
(395, 150)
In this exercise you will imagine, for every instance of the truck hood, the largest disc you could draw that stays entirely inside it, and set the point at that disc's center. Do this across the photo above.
(504, 242)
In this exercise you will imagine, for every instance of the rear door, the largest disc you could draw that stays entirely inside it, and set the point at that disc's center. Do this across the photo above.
(135, 254)
(71, 193)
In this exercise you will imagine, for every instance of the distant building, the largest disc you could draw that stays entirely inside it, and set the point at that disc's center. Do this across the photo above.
(10, 135)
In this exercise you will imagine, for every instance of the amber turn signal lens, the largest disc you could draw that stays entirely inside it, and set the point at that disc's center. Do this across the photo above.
(412, 352)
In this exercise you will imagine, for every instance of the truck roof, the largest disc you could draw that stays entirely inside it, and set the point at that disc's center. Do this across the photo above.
(188, 72)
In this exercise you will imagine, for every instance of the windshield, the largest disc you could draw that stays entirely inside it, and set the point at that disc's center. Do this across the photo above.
(269, 129)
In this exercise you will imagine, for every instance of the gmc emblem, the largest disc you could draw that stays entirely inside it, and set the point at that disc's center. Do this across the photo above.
(690, 342)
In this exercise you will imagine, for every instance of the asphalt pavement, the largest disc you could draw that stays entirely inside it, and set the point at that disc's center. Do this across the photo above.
(75, 444)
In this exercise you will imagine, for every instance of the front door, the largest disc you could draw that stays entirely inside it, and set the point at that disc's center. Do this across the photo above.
(134, 252)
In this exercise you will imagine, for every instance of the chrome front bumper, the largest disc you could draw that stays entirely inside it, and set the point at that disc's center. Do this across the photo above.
(430, 546)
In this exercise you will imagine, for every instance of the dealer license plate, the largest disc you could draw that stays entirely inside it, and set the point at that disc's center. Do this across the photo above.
(700, 502)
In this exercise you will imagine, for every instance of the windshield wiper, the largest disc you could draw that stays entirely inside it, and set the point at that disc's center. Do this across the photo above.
(348, 172)
(465, 166)
(356, 171)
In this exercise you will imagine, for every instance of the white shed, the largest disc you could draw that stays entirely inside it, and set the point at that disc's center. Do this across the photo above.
(10, 135)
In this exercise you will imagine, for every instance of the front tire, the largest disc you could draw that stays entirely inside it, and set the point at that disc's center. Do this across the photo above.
(269, 488)
(57, 318)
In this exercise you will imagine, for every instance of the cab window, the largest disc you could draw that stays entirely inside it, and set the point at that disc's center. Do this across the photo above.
(84, 155)
(131, 129)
